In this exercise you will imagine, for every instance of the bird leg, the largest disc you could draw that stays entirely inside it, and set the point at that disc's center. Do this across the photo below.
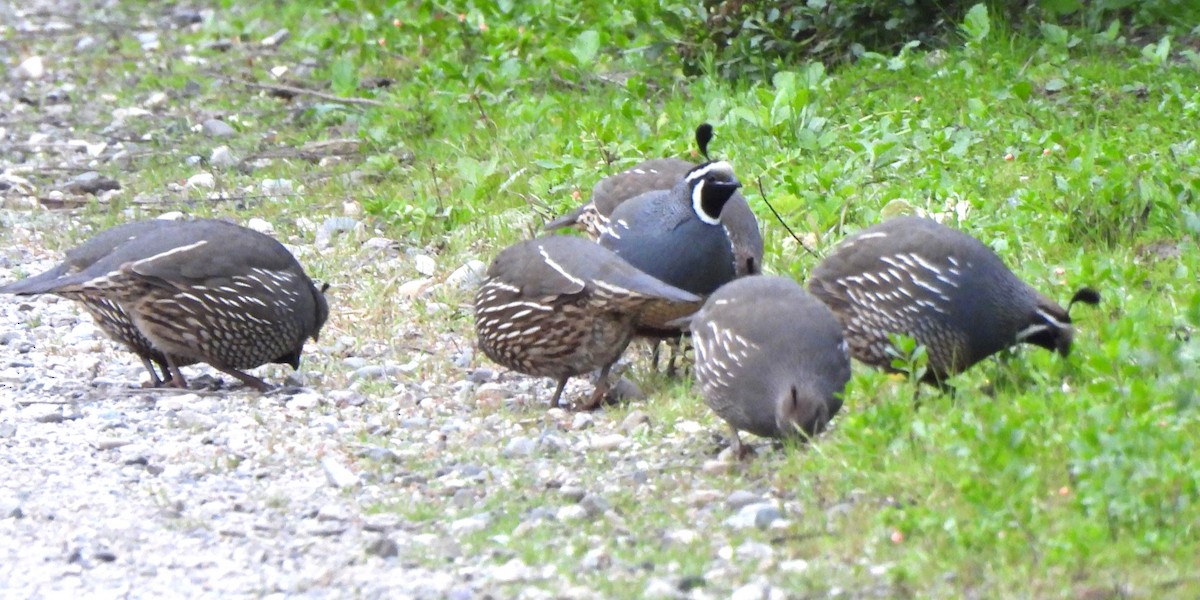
(155, 381)
(249, 380)
(740, 450)
(174, 375)
(562, 383)
(597, 398)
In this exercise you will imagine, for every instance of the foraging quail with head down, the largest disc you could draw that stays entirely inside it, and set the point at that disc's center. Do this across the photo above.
(661, 175)
(107, 313)
(204, 291)
(562, 306)
(770, 358)
(940, 286)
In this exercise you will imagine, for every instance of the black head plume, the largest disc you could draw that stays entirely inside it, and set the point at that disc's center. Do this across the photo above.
(1085, 295)
(704, 135)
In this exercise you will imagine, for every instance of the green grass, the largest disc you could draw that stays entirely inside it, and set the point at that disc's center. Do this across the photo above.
(1076, 161)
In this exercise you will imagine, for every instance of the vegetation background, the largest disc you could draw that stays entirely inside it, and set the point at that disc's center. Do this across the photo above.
(1062, 133)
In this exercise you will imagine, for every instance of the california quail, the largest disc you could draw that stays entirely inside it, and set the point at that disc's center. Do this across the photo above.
(206, 291)
(662, 174)
(770, 358)
(940, 286)
(561, 306)
(107, 313)
(677, 236)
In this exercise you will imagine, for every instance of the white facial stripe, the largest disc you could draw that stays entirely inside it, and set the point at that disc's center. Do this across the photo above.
(698, 204)
(1031, 331)
(1053, 321)
(719, 167)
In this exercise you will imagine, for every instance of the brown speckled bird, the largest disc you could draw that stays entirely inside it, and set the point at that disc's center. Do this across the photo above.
(770, 359)
(940, 286)
(197, 291)
(562, 306)
(108, 314)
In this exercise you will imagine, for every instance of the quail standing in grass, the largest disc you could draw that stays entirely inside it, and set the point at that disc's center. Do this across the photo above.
(197, 291)
(940, 286)
(562, 306)
(770, 359)
(661, 175)
(677, 235)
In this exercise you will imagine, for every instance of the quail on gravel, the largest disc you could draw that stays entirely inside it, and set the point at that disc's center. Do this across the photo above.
(915, 277)
(562, 306)
(107, 313)
(203, 291)
(661, 175)
(770, 359)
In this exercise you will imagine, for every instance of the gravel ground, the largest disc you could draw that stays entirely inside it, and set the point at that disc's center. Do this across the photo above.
(365, 474)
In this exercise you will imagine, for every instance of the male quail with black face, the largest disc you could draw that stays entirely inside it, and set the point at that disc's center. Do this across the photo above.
(107, 313)
(662, 174)
(770, 358)
(206, 291)
(940, 286)
(677, 236)
(562, 306)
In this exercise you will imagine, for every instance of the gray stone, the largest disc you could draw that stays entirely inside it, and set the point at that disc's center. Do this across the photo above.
(519, 446)
(634, 420)
(44, 413)
(595, 505)
(216, 128)
(222, 157)
(337, 474)
(276, 38)
(470, 524)
(740, 498)
(383, 547)
(760, 515)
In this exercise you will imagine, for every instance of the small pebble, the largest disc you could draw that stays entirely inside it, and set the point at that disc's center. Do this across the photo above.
(338, 474)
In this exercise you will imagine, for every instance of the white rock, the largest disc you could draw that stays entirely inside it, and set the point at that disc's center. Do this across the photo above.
(468, 276)
(582, 421)
(304, 401)
(261, 226)
(173, 215)
(606, 442)
(688, 427)
(750, 591)
(571, 512)
(31, 68)
(277, 187)
(120, 115)
(222, 157)
(414, 288)
(201, 181)
(798, 565)
(424, 265)
(352, 208)
(469, 524)
(279, 71)
(156, 100)
(337, 474)
(276, 38)
(511, 572)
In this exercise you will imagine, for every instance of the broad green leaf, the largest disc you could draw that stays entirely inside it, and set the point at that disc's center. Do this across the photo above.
(586, 46)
